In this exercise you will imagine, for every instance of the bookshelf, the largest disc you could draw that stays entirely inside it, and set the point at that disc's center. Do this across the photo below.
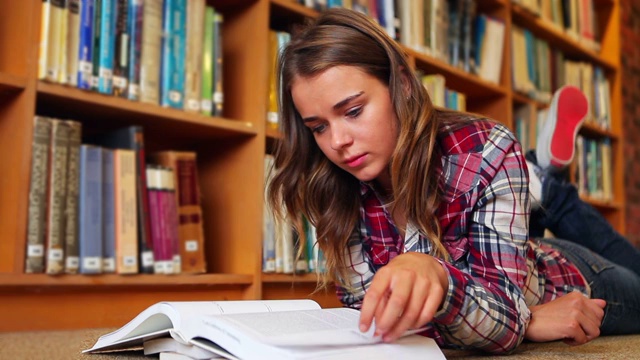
(230, 151)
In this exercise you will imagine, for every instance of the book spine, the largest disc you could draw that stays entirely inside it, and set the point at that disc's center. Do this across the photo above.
(145, 244)
(97, 30)
(125, 211)
(150, 53)
(107, 46)
(108, 212)
(121, 56)
(85, 46)
(173, 53)
(72, 259)
(38, 195)
(193, 56)
(157, 222)
(135, 47)
(90, 235)
(171, 218)
(73, 42)
(58, 158)
(268, 222)
(206, 103)
(57, 39)
(43, 46)
(218, 83)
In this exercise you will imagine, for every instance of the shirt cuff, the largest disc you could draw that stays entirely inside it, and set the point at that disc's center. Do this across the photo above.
(454, 297)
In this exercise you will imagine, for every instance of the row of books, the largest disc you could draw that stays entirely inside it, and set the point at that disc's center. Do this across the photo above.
(166, 52)
(594, 168)
(97, 207)
(284, 250)
(577, 18)
(539, 70)
(450, 30)
(442, 96)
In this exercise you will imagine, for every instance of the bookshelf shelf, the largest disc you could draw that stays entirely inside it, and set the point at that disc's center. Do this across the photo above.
(29, 282)
(457, 79)
(11, 83)
(519, 98)
(594, 130)
(290, 10)
(556, 36)
(602, 205)
(55, 100)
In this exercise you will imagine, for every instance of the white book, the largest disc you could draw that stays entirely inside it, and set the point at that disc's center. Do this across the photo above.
(269, 329)
(169, 345)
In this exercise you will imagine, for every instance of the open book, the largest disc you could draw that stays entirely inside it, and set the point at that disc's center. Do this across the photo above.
(269, 329)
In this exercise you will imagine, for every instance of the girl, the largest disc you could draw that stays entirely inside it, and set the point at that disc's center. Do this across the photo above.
(422, 215)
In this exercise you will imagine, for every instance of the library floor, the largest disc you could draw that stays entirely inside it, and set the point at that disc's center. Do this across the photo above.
(67, 345)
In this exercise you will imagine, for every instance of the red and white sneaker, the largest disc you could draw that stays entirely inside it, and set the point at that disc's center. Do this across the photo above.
(557, 139)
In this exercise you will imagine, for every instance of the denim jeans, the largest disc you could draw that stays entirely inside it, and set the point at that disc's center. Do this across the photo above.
(608, 261)
(617, 285)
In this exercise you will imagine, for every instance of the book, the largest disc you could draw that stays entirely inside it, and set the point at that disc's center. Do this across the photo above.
(73, 42)
(173, 53)
(57, 192)
(71, 248)
(34, 262)
(85, 45)
(121, 54)
(187, 192)
(268, 329)
(126, 226)
(169, 345)
(90, 209)
(134, 29)
(150, 54)
(193, 54)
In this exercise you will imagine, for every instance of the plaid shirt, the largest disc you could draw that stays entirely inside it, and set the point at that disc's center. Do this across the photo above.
(494, 272)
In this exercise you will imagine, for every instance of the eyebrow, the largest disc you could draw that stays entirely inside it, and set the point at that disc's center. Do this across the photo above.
(337, 106)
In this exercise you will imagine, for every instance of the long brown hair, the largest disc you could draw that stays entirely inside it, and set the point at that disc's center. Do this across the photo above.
(307, 183)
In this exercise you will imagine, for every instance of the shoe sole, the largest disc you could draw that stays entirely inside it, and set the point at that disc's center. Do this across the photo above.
(571, 107)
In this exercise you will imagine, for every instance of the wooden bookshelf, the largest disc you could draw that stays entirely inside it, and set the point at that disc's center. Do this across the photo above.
(230, 159)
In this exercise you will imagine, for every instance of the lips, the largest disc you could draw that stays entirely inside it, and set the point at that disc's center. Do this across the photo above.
(355, 160)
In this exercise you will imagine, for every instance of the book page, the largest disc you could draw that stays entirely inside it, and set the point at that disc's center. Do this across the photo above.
(159, 318)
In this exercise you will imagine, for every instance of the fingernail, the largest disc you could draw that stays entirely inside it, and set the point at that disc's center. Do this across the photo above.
(363, 327)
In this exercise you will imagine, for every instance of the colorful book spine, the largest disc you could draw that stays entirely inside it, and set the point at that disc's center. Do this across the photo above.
(72, 258)
(121, 54)
(56, 33)
(150, 52)
(90, 209)
(206, 103)
(135, 47)
(173, 53)
(85, 46)
(107, 46)
(43, 46)
(108, 212)
(124, 162)
(97, 30)
(58, 158)
(218, 81)
(162, 252)
(193, 56)
(73, 42)
(268, 222)
(36, 234)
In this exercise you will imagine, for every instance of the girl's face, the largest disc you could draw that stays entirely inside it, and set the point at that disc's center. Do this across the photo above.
(352, 119)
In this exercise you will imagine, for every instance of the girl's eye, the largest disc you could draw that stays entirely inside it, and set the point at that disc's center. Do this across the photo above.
(352, 113)
(318, 129)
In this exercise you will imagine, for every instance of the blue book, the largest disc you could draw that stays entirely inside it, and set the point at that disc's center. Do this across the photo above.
(134, 28)
(85, 52)
(90, 209)
(481, 25)
(173, 53)
(107, 46)
(108, 213)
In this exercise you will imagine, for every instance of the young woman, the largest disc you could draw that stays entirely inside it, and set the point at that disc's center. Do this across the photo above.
(422, 215)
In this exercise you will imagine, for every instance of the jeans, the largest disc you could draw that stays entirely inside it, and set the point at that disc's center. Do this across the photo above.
(608, 261)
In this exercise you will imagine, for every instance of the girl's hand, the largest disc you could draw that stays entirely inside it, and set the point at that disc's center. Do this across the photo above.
(404, 294)
(572, 318)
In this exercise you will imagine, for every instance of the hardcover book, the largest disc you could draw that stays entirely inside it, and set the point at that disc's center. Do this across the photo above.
(34, 262)
(90, 209)
(269, 329)
(71, 248)
(150, 55)
(85, 45)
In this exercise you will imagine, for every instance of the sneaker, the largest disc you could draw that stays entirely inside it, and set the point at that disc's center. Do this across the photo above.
(556, 142)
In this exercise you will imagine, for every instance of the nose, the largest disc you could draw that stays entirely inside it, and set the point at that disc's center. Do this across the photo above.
(340, 136)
